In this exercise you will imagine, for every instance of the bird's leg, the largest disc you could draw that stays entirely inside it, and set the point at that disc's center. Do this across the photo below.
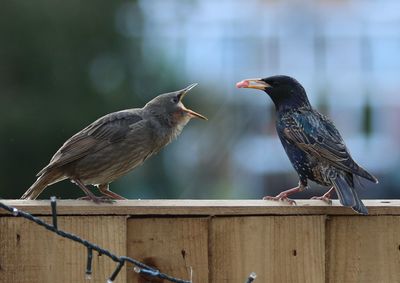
(283, 196)
(326, 197)
(89, 194)
(104, 189)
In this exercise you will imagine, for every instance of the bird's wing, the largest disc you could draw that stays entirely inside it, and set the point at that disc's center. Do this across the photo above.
(315, 134)
(106, 130)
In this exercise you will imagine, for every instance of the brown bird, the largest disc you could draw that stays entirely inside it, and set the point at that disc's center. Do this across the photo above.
(115, 144)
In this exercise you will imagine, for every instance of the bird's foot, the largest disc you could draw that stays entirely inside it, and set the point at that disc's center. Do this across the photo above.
(102, 199)
(111, 195)
(280, 197)
(283, 196)
(89, 194)
(326, 197)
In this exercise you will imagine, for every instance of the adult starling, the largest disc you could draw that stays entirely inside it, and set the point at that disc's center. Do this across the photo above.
(312, 143)
(115, 144)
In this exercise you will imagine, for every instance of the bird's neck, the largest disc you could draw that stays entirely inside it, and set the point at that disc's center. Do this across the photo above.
(289, 103)
(168, 120)
(167, 127)
(166, 134)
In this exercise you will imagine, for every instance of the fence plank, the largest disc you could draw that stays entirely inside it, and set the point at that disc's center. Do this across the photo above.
(172, 245)
(201, 207)
(222, 240)
(364, 249)
(30, 253)
(278, 248)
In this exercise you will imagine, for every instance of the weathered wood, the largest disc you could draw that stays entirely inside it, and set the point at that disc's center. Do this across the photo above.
(173, 245)
(31, 254)
(223, 241)
(277, 248)
(201, 207)
(363, 249)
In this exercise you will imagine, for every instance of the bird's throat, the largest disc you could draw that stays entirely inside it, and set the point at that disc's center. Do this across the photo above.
(284, 103)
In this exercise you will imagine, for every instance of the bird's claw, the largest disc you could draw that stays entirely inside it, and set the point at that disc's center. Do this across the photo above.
(280, 198)
(324, 199)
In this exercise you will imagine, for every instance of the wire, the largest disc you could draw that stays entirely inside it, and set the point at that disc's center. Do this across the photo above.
(251, 278)
(140, 268)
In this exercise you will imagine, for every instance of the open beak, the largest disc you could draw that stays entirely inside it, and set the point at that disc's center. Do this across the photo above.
(253, 83)
(183, 93)
(194, 114)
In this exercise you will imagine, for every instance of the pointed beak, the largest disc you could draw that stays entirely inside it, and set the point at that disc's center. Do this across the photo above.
(253, 83)
(192, 113)
(184, 91)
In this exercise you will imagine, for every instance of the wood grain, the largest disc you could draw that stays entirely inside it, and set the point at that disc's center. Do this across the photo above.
(173, 245)
(223, 241)
(201, 207)
(31, 254)
(364, 249)
(278, 249)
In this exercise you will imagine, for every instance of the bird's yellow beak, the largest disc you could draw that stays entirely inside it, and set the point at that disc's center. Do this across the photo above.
(193, 113)
(190, 112)
(253, 83)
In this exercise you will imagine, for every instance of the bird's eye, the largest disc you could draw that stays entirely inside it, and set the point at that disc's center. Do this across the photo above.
(175, 99)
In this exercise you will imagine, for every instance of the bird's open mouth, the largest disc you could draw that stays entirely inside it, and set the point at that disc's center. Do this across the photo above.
(193, 113)
(253, 83)
(189, 111)
(185, 91)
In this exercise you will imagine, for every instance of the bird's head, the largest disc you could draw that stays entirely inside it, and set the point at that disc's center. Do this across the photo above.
(169, 106)
(286, 92)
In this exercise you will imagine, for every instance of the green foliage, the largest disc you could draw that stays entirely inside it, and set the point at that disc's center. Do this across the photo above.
(57, 58)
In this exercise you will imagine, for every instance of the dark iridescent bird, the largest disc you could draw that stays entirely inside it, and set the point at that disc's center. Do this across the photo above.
(115, 144)
(312, 143)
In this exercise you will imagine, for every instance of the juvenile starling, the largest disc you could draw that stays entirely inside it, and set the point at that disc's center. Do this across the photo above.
(115, 144)
(312, 143)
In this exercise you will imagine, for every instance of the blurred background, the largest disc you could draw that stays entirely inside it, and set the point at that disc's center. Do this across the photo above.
(63, 64)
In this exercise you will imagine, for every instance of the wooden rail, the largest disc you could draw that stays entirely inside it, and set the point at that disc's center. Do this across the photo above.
(222, 241)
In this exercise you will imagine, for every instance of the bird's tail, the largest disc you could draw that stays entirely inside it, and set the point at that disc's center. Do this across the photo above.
(41, 183)
(347, 194)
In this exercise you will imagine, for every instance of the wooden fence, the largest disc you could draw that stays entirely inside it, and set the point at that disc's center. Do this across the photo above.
(221, 241)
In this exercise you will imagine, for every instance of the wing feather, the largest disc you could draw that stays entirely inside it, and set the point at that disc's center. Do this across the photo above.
(106, 130)
(315, 134)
